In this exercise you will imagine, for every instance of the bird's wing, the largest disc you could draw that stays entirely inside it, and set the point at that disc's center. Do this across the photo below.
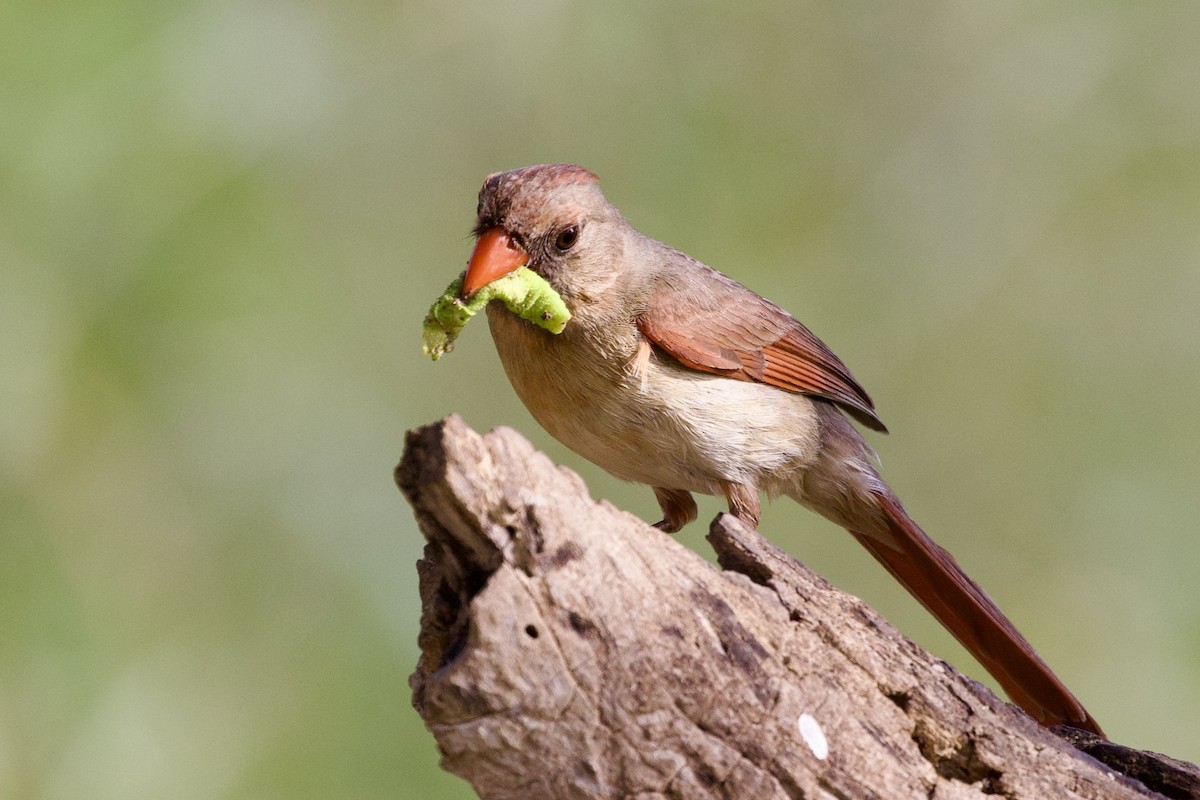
(723, 328)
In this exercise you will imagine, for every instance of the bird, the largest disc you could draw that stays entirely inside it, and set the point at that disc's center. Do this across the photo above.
(673, 375)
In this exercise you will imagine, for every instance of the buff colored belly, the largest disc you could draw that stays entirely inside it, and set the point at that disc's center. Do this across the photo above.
(673, 428)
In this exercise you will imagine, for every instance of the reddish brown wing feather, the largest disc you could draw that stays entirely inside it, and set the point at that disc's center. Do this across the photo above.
(935, 579)
(728, 330)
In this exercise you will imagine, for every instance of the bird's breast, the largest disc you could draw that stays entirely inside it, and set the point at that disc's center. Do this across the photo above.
(649, 419)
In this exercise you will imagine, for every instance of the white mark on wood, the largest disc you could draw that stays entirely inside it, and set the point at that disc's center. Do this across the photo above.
(708, 628)
(814, 737)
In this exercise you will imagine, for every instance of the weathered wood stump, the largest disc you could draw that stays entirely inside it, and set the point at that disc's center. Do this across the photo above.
(569, 650)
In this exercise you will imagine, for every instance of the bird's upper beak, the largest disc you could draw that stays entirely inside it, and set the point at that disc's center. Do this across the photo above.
(495, 255)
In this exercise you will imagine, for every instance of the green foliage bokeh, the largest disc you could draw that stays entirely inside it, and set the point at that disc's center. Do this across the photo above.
(221, 224)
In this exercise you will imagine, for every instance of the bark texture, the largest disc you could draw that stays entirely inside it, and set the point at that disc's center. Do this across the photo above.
(569, 650)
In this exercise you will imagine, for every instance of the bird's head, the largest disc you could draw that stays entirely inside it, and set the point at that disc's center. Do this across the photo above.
(553, 219)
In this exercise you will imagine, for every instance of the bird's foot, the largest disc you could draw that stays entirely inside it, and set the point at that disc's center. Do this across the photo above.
(678, 509)
(743, 503)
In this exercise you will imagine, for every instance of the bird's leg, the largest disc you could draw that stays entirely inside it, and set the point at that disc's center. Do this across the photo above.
(743, 502)
(677, 506)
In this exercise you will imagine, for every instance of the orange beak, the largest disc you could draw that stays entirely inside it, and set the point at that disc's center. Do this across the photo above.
(495, 255)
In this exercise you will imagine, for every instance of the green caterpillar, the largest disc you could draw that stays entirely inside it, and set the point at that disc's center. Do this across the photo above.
(524, 292)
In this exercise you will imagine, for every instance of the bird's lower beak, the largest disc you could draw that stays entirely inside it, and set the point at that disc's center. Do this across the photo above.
(495, 255)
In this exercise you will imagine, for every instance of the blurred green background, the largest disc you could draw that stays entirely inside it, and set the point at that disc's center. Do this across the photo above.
(222, 222)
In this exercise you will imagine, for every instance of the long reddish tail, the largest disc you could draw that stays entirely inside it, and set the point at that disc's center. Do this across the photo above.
(935, 579)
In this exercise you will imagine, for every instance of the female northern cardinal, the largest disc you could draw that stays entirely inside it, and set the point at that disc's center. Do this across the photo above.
(673, 375)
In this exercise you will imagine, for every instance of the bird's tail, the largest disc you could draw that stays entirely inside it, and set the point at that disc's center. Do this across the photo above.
(934, 578)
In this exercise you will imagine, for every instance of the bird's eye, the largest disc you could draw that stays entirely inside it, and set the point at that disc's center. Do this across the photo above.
(566, 238)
